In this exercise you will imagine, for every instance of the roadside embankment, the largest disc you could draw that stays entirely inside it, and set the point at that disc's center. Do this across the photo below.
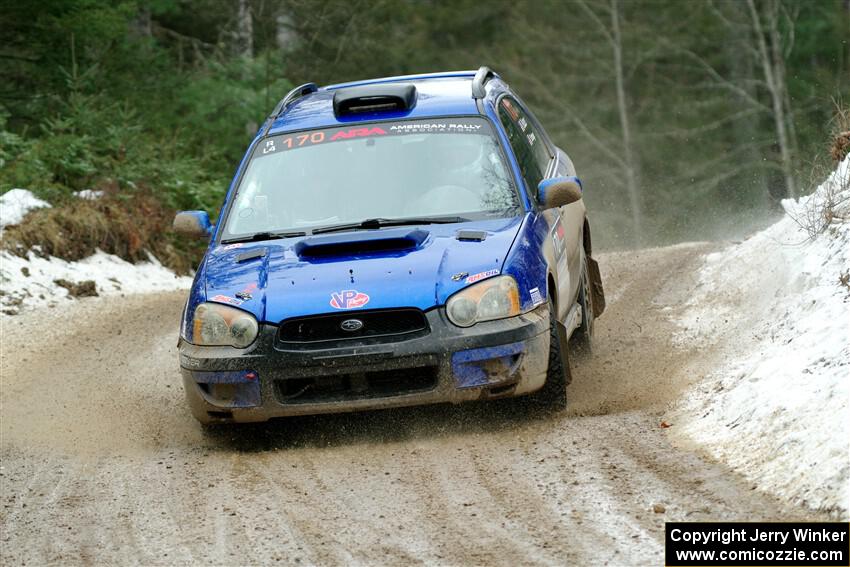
(774, 311)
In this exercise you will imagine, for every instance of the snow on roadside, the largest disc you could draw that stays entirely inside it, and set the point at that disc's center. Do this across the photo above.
(15, 204)
(88, 194)
(30, 282)
(776, 407)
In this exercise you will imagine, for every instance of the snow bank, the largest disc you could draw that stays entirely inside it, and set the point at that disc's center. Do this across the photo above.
(30, 282)
(776, 407)
(15, 204)
(88, 194)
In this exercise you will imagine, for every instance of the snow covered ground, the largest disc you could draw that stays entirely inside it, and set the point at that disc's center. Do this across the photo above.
(30, 282)
(16, 203)
(777, 308)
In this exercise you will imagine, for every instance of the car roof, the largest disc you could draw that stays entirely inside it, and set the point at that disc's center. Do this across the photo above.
(438, 94)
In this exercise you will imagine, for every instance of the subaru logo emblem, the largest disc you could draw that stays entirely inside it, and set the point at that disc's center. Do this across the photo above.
(351, 325)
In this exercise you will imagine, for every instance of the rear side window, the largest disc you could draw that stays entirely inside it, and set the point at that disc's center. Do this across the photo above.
(527, 142)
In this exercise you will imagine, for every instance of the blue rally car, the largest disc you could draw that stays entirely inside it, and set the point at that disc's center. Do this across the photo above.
(392, 242)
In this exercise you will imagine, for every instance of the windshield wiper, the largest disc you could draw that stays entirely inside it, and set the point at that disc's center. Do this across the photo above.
(381, 223)
(263, 236)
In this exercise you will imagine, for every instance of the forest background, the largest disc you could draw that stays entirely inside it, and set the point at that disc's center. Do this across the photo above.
(686, 119)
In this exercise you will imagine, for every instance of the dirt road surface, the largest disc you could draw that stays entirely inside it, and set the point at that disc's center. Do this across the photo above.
(102, 463)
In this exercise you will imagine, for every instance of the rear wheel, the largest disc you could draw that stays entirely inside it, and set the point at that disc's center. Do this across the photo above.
(583, 337)
(553, 394)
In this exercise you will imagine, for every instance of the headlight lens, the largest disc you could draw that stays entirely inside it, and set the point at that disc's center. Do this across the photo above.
(219, 325)
(495, 298)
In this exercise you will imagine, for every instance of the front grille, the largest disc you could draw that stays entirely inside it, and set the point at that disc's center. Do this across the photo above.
(383, 323)
(356, 385)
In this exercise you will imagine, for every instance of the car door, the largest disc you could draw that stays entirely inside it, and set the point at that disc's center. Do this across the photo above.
(536, 162)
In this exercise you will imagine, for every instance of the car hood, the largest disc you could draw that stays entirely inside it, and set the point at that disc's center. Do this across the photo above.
(412, 266)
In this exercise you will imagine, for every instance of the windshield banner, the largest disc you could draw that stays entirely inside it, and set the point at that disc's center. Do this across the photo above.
(296, 140)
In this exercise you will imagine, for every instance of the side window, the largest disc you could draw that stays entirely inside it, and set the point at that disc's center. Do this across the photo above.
(527, 142)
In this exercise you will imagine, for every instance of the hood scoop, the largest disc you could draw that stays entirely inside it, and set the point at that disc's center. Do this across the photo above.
(369, 243)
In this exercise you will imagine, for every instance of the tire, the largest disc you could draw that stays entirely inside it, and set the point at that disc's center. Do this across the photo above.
(553, 394)
(583, 337)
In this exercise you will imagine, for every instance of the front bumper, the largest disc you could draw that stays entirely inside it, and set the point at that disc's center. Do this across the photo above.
(493, 359)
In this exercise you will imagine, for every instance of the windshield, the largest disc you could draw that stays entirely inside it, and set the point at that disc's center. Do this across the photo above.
(393, 170)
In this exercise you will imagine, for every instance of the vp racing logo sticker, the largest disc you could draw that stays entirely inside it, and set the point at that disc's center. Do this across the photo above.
(349, 299)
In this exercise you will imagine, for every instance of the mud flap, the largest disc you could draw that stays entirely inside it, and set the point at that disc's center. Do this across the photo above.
(596, 287)
(564, 339)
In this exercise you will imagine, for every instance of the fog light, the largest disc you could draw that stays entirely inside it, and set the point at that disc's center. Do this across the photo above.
(236, 389)
(223, 392)
(485, 366)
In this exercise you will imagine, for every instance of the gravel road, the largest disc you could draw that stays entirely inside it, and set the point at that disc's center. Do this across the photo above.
(102, 463)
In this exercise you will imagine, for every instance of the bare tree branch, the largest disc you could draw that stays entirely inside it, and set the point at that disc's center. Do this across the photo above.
(775, 77)
(706, 127)
(720, 79)
(720, 16)
(545, 91)
(592, 15)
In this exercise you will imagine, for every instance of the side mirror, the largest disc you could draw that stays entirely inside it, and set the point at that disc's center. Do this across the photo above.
(559, 191)
(193, 223)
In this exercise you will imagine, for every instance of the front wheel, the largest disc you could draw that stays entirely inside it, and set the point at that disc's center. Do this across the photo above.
(553, 394)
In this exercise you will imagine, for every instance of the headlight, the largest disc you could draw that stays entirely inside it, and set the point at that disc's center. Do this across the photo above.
(495, 298)
(219, 325)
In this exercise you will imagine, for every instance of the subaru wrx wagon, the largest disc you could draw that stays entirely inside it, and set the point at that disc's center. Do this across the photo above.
(391, 242)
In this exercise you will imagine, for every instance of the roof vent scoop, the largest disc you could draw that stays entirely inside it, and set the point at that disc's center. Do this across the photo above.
(480, 79)
(374, 98)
